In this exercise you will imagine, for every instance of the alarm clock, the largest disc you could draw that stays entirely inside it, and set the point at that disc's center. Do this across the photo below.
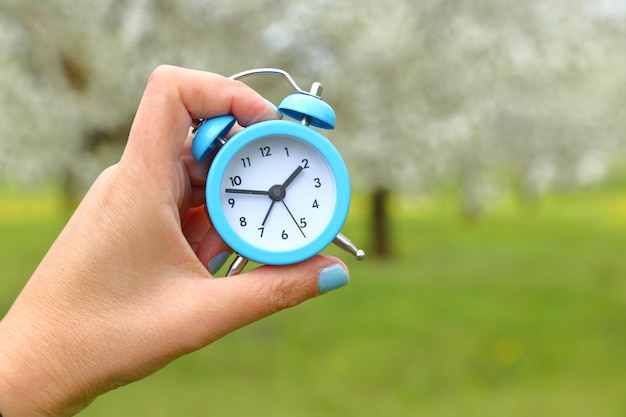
(278, 191)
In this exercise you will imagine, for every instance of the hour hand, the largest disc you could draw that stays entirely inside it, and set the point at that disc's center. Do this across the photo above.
(242, 191)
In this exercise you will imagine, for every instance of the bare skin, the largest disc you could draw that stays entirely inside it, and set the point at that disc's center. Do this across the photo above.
(125, 289)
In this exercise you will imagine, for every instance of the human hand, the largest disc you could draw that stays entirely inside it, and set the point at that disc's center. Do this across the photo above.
(125, 288)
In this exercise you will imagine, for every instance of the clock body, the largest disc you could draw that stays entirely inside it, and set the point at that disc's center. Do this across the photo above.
(278, 192)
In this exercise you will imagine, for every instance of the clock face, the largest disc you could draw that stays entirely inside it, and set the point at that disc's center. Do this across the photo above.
(278, 192)
(280, 198)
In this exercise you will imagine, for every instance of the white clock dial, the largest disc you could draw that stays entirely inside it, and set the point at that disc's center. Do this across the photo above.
(278, 193)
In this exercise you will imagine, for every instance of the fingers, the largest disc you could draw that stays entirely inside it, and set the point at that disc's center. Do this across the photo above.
(251, 296)
(275, 288)
(204, 240)
(196, 171)
(175, 96)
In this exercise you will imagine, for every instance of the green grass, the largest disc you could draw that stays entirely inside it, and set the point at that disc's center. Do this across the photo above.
(520, 314)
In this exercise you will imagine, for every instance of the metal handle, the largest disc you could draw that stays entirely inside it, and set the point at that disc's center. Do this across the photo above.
(271, 71)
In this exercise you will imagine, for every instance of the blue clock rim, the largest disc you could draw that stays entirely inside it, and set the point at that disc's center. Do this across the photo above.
(276, 128)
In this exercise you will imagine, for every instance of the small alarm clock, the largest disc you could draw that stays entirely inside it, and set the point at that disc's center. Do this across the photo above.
(278, 191)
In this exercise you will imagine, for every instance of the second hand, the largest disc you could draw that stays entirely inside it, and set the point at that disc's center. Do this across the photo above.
(293, 218)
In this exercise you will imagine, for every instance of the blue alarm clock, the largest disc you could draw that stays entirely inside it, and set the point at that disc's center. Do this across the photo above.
(278, 191)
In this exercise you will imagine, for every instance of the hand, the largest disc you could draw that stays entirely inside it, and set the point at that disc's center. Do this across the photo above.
(125, 289)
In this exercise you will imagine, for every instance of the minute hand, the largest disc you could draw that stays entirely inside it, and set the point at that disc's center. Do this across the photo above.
(241, 191)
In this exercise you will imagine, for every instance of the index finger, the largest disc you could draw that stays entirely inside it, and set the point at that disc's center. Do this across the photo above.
(175, 96)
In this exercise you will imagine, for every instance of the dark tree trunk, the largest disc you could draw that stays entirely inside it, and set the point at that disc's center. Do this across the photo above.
(380, 224)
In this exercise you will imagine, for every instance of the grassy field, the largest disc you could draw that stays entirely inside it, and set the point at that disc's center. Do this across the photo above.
(520, 314)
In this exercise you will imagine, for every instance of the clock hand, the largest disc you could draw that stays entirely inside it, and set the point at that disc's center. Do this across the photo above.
(293, 218)
(292, 177)
(268, 213)
(277, 192)
(240, 191)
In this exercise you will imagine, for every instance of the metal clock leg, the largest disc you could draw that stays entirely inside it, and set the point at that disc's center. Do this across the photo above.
(237, 266)
(346, 244)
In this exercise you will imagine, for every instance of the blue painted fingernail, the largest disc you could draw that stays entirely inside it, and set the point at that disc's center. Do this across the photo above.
(216, 263)
(331, 278)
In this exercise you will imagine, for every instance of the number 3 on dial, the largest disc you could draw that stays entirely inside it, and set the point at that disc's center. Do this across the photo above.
(278, 192)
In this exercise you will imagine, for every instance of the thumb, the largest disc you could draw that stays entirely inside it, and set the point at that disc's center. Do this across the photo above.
(268, 289)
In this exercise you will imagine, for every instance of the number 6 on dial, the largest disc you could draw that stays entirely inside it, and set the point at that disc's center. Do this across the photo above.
(277, 192)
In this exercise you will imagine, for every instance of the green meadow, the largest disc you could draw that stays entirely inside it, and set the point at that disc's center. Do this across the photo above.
(522, 313)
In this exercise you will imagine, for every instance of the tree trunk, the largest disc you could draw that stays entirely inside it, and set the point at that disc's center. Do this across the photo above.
(380, 224)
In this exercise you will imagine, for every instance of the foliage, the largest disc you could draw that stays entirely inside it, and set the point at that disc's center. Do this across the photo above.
(426, 92)
(518, 315)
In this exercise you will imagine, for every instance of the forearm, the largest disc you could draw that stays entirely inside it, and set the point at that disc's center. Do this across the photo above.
(124, 290)
(43, 343)
(34, 381)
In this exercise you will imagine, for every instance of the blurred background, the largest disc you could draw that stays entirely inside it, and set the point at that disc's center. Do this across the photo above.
(486, 143)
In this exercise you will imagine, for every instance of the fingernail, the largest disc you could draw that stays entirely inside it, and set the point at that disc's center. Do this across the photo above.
(331, 278)
(216, 263)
